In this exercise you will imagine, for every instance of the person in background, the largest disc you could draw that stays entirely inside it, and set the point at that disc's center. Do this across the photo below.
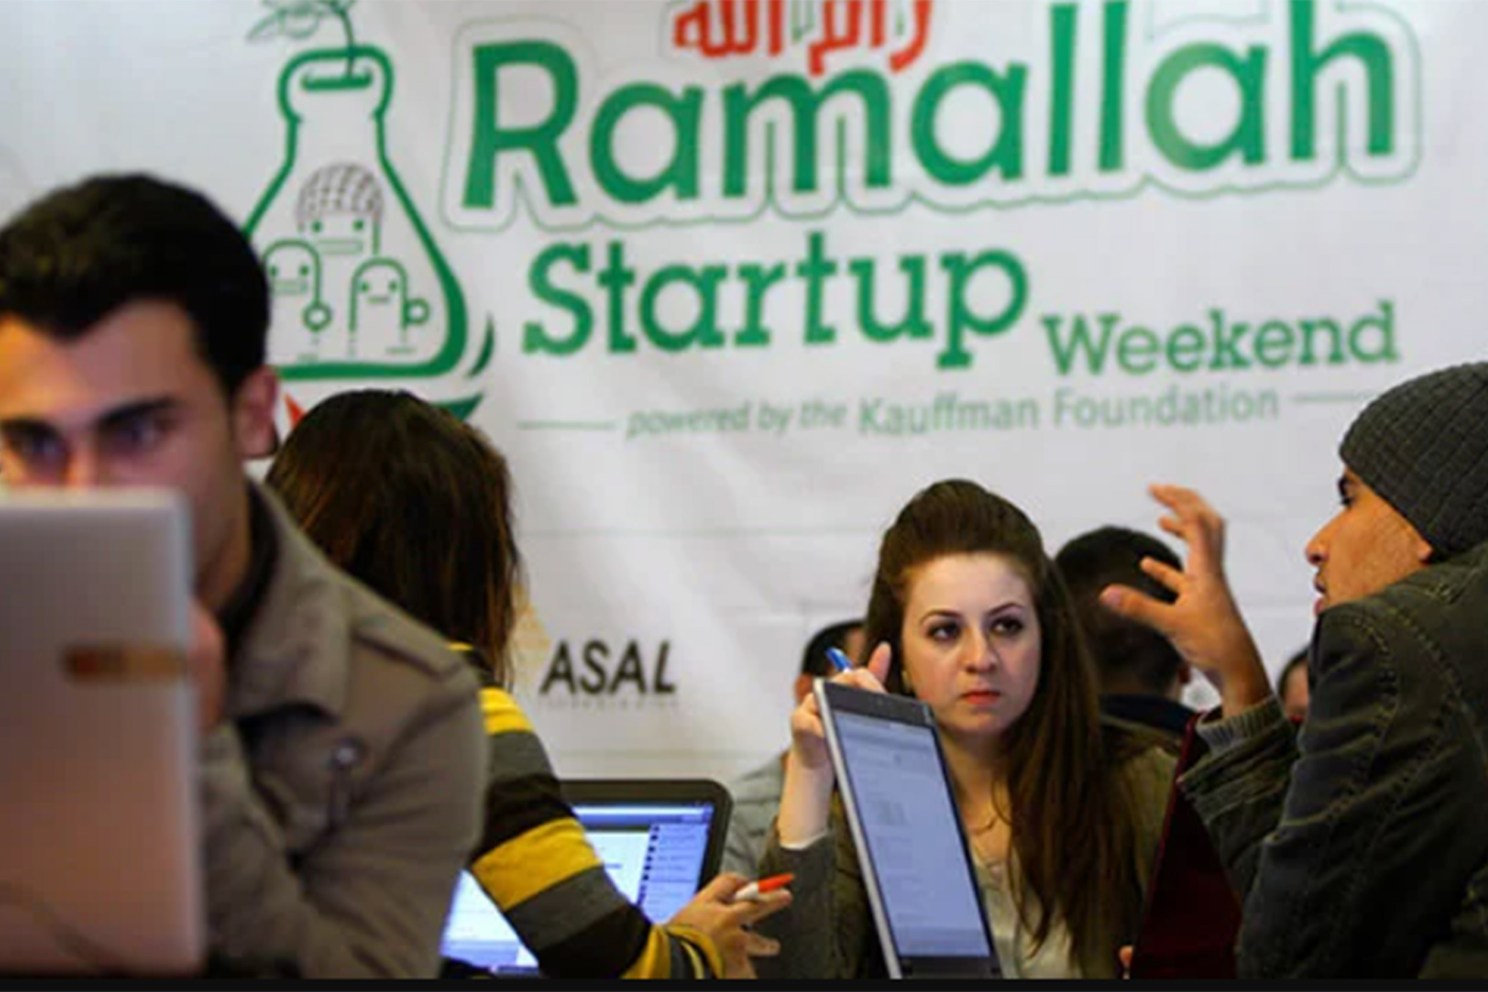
(1357, 839)
(341, 753)
(756, 794)
(1291, 687)
(1062, 814)
(1141, 675)
(417, 504)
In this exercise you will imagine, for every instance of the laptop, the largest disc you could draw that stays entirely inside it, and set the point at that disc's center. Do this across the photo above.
(896, 789)
(99, 842)
(660, 840)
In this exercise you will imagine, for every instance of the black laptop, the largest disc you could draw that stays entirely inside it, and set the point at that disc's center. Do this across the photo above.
(660, 840)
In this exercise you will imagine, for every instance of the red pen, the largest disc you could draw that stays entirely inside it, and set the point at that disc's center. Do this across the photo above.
(752, 891)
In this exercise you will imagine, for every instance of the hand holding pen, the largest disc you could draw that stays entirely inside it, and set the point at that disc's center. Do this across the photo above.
(806, 796)
(726, 910)
(839, 660)
(808, 738)
(755, 891)
(870, 676)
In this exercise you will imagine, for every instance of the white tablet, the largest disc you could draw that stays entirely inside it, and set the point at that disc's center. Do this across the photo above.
(902, 812)
(99, 846)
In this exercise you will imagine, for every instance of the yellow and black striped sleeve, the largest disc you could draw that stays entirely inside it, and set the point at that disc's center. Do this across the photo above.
(536, 864)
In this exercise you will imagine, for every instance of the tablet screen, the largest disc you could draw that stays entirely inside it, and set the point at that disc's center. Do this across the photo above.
(914, 842)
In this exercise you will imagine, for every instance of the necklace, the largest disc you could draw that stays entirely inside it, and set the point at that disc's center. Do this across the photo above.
(988, 845)
(994, 817)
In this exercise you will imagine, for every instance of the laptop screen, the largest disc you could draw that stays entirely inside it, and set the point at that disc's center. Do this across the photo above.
(656, 852)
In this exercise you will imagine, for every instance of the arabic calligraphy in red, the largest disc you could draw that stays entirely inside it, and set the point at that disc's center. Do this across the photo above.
(719, 29)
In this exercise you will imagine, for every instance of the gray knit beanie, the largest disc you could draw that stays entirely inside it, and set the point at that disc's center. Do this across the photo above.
(1423, 446)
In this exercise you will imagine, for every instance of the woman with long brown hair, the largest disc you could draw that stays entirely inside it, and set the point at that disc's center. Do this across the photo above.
(416, 504)
(1062, 814)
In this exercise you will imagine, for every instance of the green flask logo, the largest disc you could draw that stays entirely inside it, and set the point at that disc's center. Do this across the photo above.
(360, 289)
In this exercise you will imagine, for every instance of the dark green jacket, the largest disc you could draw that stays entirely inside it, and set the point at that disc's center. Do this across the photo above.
(1361, 844)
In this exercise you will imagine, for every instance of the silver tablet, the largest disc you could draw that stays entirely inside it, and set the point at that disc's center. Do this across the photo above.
(901, 809)
(99, 846)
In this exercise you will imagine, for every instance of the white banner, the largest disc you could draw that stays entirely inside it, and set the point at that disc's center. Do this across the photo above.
(729, 281)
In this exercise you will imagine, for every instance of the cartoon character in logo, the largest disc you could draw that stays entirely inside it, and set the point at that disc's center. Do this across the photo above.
(294, 271)
(381, 308)
(339, 198)
(338, 191)
(339, 211)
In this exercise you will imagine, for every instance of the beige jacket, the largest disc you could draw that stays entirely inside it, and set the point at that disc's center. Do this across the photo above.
(341, 795)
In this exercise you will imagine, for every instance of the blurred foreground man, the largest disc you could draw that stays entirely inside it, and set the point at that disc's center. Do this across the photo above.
(342, 756)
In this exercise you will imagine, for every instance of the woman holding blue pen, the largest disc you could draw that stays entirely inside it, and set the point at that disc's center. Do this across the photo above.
(1062, 814)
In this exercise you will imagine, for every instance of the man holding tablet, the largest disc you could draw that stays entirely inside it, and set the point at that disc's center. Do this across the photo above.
(342, 758)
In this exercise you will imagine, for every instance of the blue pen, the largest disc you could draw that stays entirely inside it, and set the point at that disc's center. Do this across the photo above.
(839, 660)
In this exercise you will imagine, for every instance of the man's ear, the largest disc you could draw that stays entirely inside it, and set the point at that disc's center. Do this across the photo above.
(253, 414)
